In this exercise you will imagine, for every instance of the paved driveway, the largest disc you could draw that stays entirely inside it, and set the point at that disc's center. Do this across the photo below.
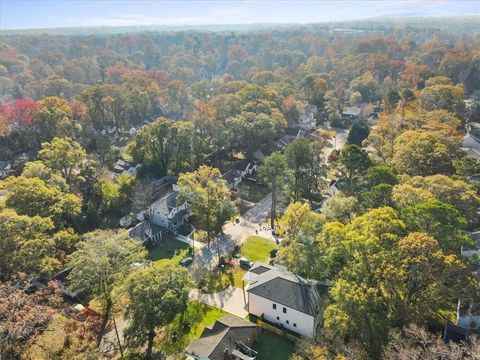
(230, 300)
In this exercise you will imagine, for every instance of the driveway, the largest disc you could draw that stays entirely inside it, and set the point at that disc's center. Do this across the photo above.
(230, 300)
(260, 212)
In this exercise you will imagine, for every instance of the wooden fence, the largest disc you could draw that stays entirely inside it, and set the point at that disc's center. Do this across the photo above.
(282, 332)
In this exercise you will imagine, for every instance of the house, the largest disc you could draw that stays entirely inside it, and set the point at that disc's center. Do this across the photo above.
(333, 187)
(167, 213)
(61, 279)
(246, 167)
(228, 338)
(5, 169)
(472, 251)
(285, 299)
(307, 119)
(233, 177)
(468, 315)
(146, 232)
(350, 114)
(122, 166)
(291, 134)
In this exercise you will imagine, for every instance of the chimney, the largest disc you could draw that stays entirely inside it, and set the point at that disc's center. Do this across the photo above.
(226, 355)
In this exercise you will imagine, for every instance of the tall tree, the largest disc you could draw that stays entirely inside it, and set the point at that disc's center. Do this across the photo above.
(207, 192)
(156, 296)
(101, 262)
(273, 171)
(63, 155)
(353, 163)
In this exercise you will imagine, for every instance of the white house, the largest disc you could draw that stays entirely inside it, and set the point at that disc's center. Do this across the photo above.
(246, 167)
(285, 299)
(233, 178)
(166, 213)
(469, 252)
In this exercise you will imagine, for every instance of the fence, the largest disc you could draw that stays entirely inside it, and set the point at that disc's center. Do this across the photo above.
(282, 332)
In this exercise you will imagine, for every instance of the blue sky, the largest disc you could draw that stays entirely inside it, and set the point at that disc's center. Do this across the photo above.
(23, 14)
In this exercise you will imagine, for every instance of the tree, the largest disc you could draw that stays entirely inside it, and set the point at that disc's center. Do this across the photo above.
(164, 146)
(142, 194)
(207, 192)
(416, 343)
(54, 118)
(441, 221)
(444, 96)
(382, 136)
(358, 132)
(353, 163)
(380, 174)
(101, 262)
(63, 155)
(25, 245)
(366, 85)
(307, 168)
(340, 208)
(24, 316)
(32, 197)
(156, 295)
(457, 193)
(273, 171)
(301, 226)
(421, 153)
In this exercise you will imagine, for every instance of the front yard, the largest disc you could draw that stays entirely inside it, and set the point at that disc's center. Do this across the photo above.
(168, 250)
(257, 248)
(254, 248)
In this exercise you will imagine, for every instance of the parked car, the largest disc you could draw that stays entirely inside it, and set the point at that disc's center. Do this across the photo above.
(245, 262)
(186, 261)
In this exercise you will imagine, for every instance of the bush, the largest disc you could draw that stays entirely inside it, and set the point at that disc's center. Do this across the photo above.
(273, 253)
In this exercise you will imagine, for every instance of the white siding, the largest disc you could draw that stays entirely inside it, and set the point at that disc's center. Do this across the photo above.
(305, 323)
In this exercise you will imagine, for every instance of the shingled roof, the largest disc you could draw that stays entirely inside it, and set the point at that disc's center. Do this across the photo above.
(285, 288)
(221, 335)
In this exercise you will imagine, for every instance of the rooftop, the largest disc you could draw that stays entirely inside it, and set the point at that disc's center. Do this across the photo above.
(166, 203)
(220, 336)
(281, 286)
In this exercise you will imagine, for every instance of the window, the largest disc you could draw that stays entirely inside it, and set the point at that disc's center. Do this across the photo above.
(278, 318)
(294, 325)
(288, 322)
(284, 310)
(274, 306)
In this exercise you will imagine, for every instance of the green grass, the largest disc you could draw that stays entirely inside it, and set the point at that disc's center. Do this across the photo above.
(257, 248)
(273, 347)
(252, 192)
(170, 250)
(197, 316)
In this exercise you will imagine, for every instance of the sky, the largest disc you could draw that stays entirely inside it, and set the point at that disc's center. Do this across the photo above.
(26, 14)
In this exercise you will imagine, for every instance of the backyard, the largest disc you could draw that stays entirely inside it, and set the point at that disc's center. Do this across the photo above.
(272, 347)
(252, 192)
(196, 318)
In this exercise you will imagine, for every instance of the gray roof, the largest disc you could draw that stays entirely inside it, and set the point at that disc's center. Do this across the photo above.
(355, 111)
(285, 288)
(242, 165)
(144, 231)
(166, 203)
(230, 176)
(221, 335)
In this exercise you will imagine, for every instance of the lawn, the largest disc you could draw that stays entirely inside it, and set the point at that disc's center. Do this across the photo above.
(273, 347)
(169, 250)
(257, 248)
(252, 192)
(196, 318)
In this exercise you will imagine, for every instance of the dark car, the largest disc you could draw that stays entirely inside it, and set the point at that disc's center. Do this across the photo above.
(186, 261)
(245, 262)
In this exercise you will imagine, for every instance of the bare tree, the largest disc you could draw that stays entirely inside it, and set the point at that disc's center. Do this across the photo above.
(143, 194)
(416, 343)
